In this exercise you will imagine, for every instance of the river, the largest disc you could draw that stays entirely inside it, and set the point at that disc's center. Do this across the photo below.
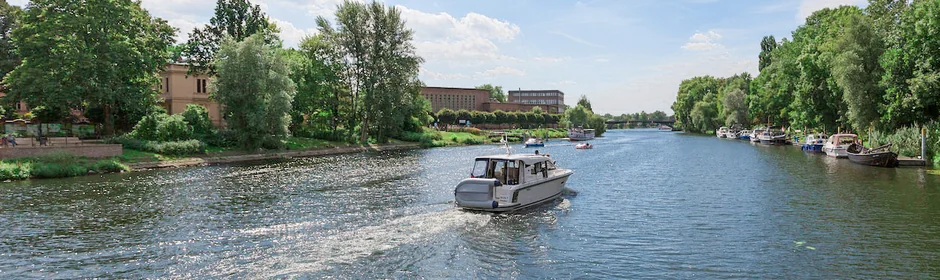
(642, 204)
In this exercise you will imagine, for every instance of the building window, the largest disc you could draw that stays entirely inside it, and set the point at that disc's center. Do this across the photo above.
(201, 86)
(166, 84)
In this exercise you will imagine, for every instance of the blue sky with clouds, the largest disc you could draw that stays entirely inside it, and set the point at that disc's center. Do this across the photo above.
(626, 56)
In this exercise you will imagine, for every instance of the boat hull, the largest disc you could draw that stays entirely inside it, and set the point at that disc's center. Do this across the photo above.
(836, 152)
(524, 197)
(813, 148)
(883, 159)
(534, 145)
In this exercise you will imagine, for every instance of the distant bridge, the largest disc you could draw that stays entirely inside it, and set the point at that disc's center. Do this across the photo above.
(671, 124)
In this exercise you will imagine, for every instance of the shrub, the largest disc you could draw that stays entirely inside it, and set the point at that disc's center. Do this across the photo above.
(174, 128)
(58, 170)
(472, 141)
(109, 165)
(198, 117)
(146, 128)
(15, 170)
(178, 148)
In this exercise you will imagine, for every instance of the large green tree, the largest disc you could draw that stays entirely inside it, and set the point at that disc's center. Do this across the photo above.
(495, 91)
(381, 68)
(857, 70)
(237, 19)
(320, 89)
(767, 45)
(254, 86)
(89, 53)
(584, 102)
(735, 106)
(8, 57)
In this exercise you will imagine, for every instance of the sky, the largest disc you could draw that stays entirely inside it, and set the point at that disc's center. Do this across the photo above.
(626, 56)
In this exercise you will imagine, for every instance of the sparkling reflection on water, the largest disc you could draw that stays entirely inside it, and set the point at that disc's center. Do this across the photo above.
(642, 204)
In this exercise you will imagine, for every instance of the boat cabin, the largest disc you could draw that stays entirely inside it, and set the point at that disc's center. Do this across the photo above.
(513, 169)
(842, 140)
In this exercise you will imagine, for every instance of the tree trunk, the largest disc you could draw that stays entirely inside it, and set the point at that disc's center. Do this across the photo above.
(108, 120)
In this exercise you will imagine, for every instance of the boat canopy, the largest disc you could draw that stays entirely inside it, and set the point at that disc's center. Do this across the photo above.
(843, 139)
(506, 168)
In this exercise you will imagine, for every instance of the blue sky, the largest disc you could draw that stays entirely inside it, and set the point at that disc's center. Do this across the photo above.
(626, 56)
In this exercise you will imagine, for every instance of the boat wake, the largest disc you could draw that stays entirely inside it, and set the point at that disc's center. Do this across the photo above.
(302, 250)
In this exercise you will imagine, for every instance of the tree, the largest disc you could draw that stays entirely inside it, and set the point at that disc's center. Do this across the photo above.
(501, 117)
(321, 92)
(856, 70)
(495, 92)
(8, 20)
(767, 46)
(577, 116)
(238, 19)
(735, 108)
(381, 66)
(536, 109)
(109, 59)
(447, 116)
(254, 86)
(584, 102)
(198, 118)
(704, 116)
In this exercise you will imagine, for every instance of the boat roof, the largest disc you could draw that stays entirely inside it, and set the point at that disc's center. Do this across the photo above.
(522, 157)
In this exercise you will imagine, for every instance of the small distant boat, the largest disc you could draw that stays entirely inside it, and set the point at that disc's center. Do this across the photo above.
(584, 146)
(502, 183)
(722, 132)
(755, 135)
(773, 137)
(534, 143)
(665, 128)
(580, 134)
(837, 144)
(744, 135)
(879, 156)
(814, 143)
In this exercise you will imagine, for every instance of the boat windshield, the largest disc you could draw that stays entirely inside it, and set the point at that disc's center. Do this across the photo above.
(479, 168)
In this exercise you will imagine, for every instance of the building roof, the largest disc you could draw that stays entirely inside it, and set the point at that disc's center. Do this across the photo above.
(537, 90)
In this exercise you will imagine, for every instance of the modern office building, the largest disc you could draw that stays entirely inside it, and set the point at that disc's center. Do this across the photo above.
(539, 97)
(470, 99)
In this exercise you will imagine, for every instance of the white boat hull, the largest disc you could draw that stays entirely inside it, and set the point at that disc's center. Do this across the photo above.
(511, 199)
(836, 152)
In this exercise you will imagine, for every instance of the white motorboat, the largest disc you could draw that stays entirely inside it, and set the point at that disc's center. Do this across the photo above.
(722, 132)
(534, 142)
(744, 135)
(580, 134)
(755, 134)
(837, 144)
(501, 183)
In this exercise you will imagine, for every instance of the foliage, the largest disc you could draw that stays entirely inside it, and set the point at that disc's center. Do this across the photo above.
(446, 116)
(704, 116)
(56, 165)
(584, 102)
(177, 148)
(381, 68)
(9, 60)
(198, 118)
(495, 92)
(255, 90)
(767, 45)
(319, 104)
(110, 57)
(856, 70)
(233, 19)
(161, 127)
(735, 106)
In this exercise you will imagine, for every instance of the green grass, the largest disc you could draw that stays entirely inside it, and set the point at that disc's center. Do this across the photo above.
(57, 166)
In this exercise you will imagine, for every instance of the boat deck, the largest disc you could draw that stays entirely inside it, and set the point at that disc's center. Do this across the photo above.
(907, 161)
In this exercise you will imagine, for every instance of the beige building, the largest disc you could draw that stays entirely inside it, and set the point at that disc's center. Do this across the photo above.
(179, 89)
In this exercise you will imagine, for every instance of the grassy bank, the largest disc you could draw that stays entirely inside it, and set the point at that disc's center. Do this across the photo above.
(57, 166)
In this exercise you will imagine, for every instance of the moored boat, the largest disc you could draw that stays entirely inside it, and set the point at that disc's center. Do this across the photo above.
(814, 143)
(501, 183)
(744, 135)
(580, 134)
(879, 156)
(533, 143)
(755, 134)
(773, 136)
(722, 132)
(837, 144)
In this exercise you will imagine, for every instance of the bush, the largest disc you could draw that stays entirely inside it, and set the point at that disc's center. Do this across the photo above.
(174, 128)
(58, 170)
(198, 118)
(15, 170)
(177, 148)
(146, 128)
(109, 165)
(472, 141)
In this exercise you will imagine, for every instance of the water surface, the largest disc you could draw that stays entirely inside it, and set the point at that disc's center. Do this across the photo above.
(642, 204)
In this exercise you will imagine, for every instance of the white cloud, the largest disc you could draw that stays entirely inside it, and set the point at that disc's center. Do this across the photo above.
(602, 60)
(472, 38)
(703, 41)
(551, 59)
(500, 71)
(431, 75)
(290, 33)
(807, 7)
(21, 3)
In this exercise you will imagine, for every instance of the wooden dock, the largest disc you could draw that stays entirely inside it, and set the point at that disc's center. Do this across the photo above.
(907, 161)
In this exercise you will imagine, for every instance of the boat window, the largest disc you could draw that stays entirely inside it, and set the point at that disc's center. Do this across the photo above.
(497, 170)
(479, 169)
(550, 165)
(536, 168)
(512, 174)
(846, 140)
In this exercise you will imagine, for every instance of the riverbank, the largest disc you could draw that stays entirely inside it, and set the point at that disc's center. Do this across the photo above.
(249, 157)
